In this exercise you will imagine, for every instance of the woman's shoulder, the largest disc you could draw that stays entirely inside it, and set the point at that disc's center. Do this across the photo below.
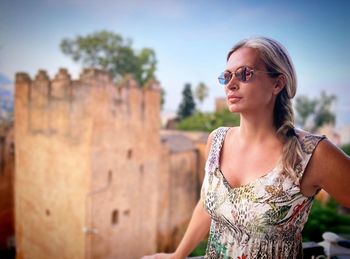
(329, 169)
(219, 131)
(321, 147)
(302, 134)
(308, 141)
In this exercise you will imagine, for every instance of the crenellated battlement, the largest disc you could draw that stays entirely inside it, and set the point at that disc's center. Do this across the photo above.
(91, 77)
(56, 105)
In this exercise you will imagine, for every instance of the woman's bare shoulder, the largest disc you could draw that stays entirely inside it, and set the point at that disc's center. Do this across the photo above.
(213, 133)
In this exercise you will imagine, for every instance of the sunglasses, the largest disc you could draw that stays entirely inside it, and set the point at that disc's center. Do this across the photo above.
(243, 74)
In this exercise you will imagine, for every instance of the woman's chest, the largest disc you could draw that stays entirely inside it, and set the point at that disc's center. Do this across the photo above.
(241, 167)
(268, 201)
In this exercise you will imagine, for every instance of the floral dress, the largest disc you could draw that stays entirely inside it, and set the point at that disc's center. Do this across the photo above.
(262, 219)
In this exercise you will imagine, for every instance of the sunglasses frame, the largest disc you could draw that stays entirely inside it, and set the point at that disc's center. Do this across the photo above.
(222, 80)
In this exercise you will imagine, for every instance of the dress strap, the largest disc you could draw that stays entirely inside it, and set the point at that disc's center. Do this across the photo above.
(214, 153)
(308, 145)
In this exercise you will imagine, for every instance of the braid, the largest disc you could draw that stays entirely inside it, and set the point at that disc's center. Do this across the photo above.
(284, 123)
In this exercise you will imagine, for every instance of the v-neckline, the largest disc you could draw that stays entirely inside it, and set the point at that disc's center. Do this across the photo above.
(218, 167)
(245, 184)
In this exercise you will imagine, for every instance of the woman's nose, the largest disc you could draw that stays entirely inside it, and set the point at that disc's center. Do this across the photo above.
(232, 85)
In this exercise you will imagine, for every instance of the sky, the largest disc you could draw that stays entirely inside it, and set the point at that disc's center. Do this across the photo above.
(190, 38)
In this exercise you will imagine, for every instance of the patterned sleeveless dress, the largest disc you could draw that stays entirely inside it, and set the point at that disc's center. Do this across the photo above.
(262, 219)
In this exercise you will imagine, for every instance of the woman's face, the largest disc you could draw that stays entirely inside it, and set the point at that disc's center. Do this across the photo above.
(256, 94)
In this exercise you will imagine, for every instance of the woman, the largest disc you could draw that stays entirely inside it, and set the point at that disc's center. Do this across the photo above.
(261, 177)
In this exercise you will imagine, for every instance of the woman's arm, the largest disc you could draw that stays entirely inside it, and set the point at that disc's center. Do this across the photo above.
(330, 169)
(197, 229)
(199, 225)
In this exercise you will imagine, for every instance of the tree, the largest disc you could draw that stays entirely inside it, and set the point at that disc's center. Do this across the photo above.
(162, 97)
(304, 108)
(209, 121)
(201, 92)
(187, 105)
(110, 52)
(323, 113)
(318, 109)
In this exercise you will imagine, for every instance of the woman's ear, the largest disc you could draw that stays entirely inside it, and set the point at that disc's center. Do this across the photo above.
(280, 83)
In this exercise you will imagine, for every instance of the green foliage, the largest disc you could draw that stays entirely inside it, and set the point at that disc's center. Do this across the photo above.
(304, 107)
(209, 121)
(325, 218)
(162, 97)
(200, 249)
(109, 51)
(346, 149)
(187, 105)
(319, 109)
(323, 113)
(201, 92)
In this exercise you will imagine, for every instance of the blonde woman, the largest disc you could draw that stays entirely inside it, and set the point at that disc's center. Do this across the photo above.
(261, 177)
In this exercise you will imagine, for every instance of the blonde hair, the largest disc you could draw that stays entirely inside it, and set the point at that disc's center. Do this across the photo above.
(278, 62)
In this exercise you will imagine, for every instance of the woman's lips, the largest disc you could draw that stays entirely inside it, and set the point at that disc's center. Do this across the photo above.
(234, 99)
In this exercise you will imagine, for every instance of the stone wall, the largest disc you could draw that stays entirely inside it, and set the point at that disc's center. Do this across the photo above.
(6, 187)
(180, 183)
(220, 104)
(183, 192)
(87, 164)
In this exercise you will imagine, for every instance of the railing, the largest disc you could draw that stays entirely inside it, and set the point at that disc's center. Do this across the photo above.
(333, 246)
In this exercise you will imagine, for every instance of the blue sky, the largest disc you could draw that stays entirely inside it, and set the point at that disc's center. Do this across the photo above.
(190, 38)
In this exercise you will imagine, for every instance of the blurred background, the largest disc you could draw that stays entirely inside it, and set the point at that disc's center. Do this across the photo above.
(190, 39)
(176, 50)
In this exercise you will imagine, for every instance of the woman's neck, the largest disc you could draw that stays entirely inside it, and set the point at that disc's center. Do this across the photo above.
(256, 127)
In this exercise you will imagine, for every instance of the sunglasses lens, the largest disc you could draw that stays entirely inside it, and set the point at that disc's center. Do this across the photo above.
(222, 80)
(225, 77)
(244, 74)
(240, 74)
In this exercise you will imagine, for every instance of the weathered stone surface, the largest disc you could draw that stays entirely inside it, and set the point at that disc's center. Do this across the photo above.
(87, 164)
(94, 177)
(180, 182)
(6, 186)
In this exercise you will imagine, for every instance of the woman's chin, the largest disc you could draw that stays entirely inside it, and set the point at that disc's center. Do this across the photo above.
(233, 108)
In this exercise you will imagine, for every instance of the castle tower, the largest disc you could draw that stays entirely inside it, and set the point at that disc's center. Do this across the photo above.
(87, 164)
